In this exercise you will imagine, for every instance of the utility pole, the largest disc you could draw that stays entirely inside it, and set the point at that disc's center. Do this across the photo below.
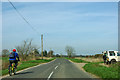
(50, 52)
(42, 46)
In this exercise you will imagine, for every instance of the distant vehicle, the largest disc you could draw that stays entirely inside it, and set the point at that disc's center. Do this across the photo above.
(112, 56)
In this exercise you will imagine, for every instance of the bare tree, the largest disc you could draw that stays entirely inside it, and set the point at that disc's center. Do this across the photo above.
(5, 52)
(26, 48)
(70, 51)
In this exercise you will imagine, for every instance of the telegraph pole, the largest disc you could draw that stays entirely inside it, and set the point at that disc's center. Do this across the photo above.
(42, 46)
(50, 53)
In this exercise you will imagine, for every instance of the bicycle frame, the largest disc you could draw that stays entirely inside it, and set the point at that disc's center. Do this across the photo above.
(12, 66)
(12, 69)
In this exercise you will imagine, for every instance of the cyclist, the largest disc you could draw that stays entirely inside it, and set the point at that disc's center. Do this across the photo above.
(12, 58)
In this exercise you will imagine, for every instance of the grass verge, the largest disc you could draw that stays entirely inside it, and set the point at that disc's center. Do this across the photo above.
(103, 72)
(27, 64)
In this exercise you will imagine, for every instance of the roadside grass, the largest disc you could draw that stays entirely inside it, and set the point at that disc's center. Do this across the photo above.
(26, 64)
(39, 61)
(5, 58)
(103, 72)
(5, 62)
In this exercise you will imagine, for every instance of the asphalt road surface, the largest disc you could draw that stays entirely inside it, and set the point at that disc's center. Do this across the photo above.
(57, 69)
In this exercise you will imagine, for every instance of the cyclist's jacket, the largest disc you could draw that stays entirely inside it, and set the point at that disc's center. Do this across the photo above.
(15, 55)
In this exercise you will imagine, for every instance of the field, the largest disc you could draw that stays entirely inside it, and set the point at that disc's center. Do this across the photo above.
(90, 59)
(78, 60)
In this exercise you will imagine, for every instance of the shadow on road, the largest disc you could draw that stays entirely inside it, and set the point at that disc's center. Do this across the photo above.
(25, 72)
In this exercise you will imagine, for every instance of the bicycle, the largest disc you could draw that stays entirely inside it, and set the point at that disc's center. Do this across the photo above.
(12, 69)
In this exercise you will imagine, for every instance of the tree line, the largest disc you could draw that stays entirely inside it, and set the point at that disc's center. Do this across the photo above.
(28, 51)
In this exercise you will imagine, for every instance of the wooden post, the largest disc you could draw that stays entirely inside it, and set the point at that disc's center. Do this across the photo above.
(42, 46)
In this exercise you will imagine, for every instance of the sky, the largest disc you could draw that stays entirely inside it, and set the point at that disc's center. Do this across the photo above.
(89, 27)
(62, 0)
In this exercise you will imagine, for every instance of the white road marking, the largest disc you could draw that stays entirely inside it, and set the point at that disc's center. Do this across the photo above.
(50, 75)
(56, 67)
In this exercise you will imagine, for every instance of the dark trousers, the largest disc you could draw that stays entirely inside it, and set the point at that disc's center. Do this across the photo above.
(104, 61)
(13, 61)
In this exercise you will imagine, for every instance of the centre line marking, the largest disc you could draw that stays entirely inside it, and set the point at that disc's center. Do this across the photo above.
(50, 75)
(56, 67)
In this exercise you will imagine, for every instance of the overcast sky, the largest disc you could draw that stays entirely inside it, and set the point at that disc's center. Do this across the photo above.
(89, 27)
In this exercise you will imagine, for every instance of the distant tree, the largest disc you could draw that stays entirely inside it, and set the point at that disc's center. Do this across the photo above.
(61, 54)
(57, 55)
(45, 53)
(5, 52)
(50, 53)
(70, 51)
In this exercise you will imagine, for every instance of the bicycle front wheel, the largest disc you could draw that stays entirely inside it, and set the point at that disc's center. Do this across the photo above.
(15, 70)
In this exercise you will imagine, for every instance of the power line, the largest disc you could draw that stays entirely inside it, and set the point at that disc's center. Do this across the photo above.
(23, 17)
(29, 25)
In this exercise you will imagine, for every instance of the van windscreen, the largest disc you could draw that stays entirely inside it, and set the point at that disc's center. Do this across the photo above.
(112, 53)
(118, 54)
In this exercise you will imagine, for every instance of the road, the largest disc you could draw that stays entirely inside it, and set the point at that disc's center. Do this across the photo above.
(59, 68)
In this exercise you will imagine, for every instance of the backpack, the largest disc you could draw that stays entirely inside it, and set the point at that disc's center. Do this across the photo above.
(12, 55)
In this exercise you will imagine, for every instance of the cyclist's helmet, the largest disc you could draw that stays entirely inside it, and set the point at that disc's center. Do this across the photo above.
(14, 50)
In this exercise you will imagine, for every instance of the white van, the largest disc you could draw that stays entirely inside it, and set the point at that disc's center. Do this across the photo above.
(112, 56)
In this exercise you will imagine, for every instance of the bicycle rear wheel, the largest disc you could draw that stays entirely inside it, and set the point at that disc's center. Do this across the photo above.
(10, 71)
